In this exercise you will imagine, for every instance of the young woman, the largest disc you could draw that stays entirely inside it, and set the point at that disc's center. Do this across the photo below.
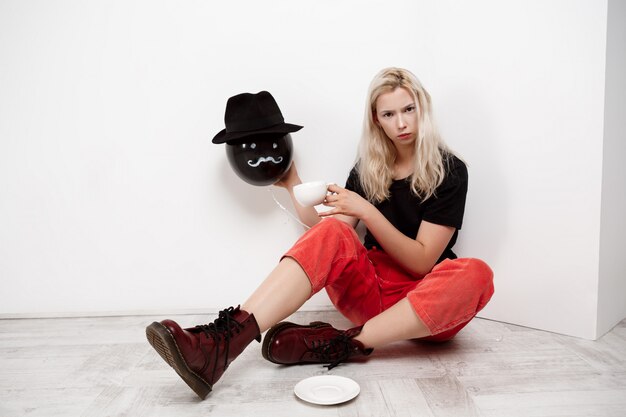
(404, 281)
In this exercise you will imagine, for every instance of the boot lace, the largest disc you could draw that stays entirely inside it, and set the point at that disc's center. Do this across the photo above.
(222, 327)
(333, 351)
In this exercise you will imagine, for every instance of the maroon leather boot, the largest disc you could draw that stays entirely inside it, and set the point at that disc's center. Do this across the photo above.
(201, 354)
(290, 344)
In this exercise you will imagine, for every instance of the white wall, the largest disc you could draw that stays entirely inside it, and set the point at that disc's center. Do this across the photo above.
(612, 282)
(523, 102)
(114, 199)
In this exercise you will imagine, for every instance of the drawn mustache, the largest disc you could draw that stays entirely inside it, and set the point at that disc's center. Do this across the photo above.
(265, 159)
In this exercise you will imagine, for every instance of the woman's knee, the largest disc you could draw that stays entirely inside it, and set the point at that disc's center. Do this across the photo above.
(471, 269)
(481, 276)
(330, 228)
(332, 224)
(480, 269)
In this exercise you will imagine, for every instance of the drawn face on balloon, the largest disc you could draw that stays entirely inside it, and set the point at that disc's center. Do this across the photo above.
(260, 159)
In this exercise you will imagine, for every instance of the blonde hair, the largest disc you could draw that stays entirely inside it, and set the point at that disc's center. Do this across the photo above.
(377, 153)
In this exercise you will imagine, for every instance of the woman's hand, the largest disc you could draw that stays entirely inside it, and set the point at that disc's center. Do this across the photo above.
(307, 215)
(347, 203)
(290, 179)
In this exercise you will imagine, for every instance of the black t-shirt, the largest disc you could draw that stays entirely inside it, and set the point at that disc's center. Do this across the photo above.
(406, 211)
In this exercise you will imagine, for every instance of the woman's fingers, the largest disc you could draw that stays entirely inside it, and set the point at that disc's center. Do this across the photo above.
(332, 199)
(334, 188)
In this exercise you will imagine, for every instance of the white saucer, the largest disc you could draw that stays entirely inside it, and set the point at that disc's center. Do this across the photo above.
(327, 389)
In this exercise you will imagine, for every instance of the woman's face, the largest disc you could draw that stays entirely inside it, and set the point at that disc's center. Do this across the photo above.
(396, 113)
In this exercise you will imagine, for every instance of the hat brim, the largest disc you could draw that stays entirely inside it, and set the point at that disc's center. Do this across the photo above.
(224, 136)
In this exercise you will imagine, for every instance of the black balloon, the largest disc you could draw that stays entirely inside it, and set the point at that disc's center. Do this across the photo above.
(260, 159)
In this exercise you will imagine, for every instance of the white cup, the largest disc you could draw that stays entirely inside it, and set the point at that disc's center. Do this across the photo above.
(310, 194)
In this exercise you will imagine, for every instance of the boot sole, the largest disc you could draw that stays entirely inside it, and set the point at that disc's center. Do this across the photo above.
(164, 343)
(269, 336)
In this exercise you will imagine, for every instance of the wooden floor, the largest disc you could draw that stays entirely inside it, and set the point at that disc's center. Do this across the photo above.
(104, 367)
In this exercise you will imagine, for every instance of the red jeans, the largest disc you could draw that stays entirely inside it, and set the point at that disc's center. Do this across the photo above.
(362, 284)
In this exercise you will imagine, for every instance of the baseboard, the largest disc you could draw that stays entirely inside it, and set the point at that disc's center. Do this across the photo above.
(119, 313)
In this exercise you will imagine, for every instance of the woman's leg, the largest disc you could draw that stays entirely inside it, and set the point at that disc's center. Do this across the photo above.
(434, 307)
(284, 291)
(392, 325)
(328, 256)
(447, 299)
(332, 257)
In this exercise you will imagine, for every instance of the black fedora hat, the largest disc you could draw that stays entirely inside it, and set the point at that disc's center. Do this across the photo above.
(251, 114)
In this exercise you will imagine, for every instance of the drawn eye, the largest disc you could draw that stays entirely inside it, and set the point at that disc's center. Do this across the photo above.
(274, 145)
(253, 145)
